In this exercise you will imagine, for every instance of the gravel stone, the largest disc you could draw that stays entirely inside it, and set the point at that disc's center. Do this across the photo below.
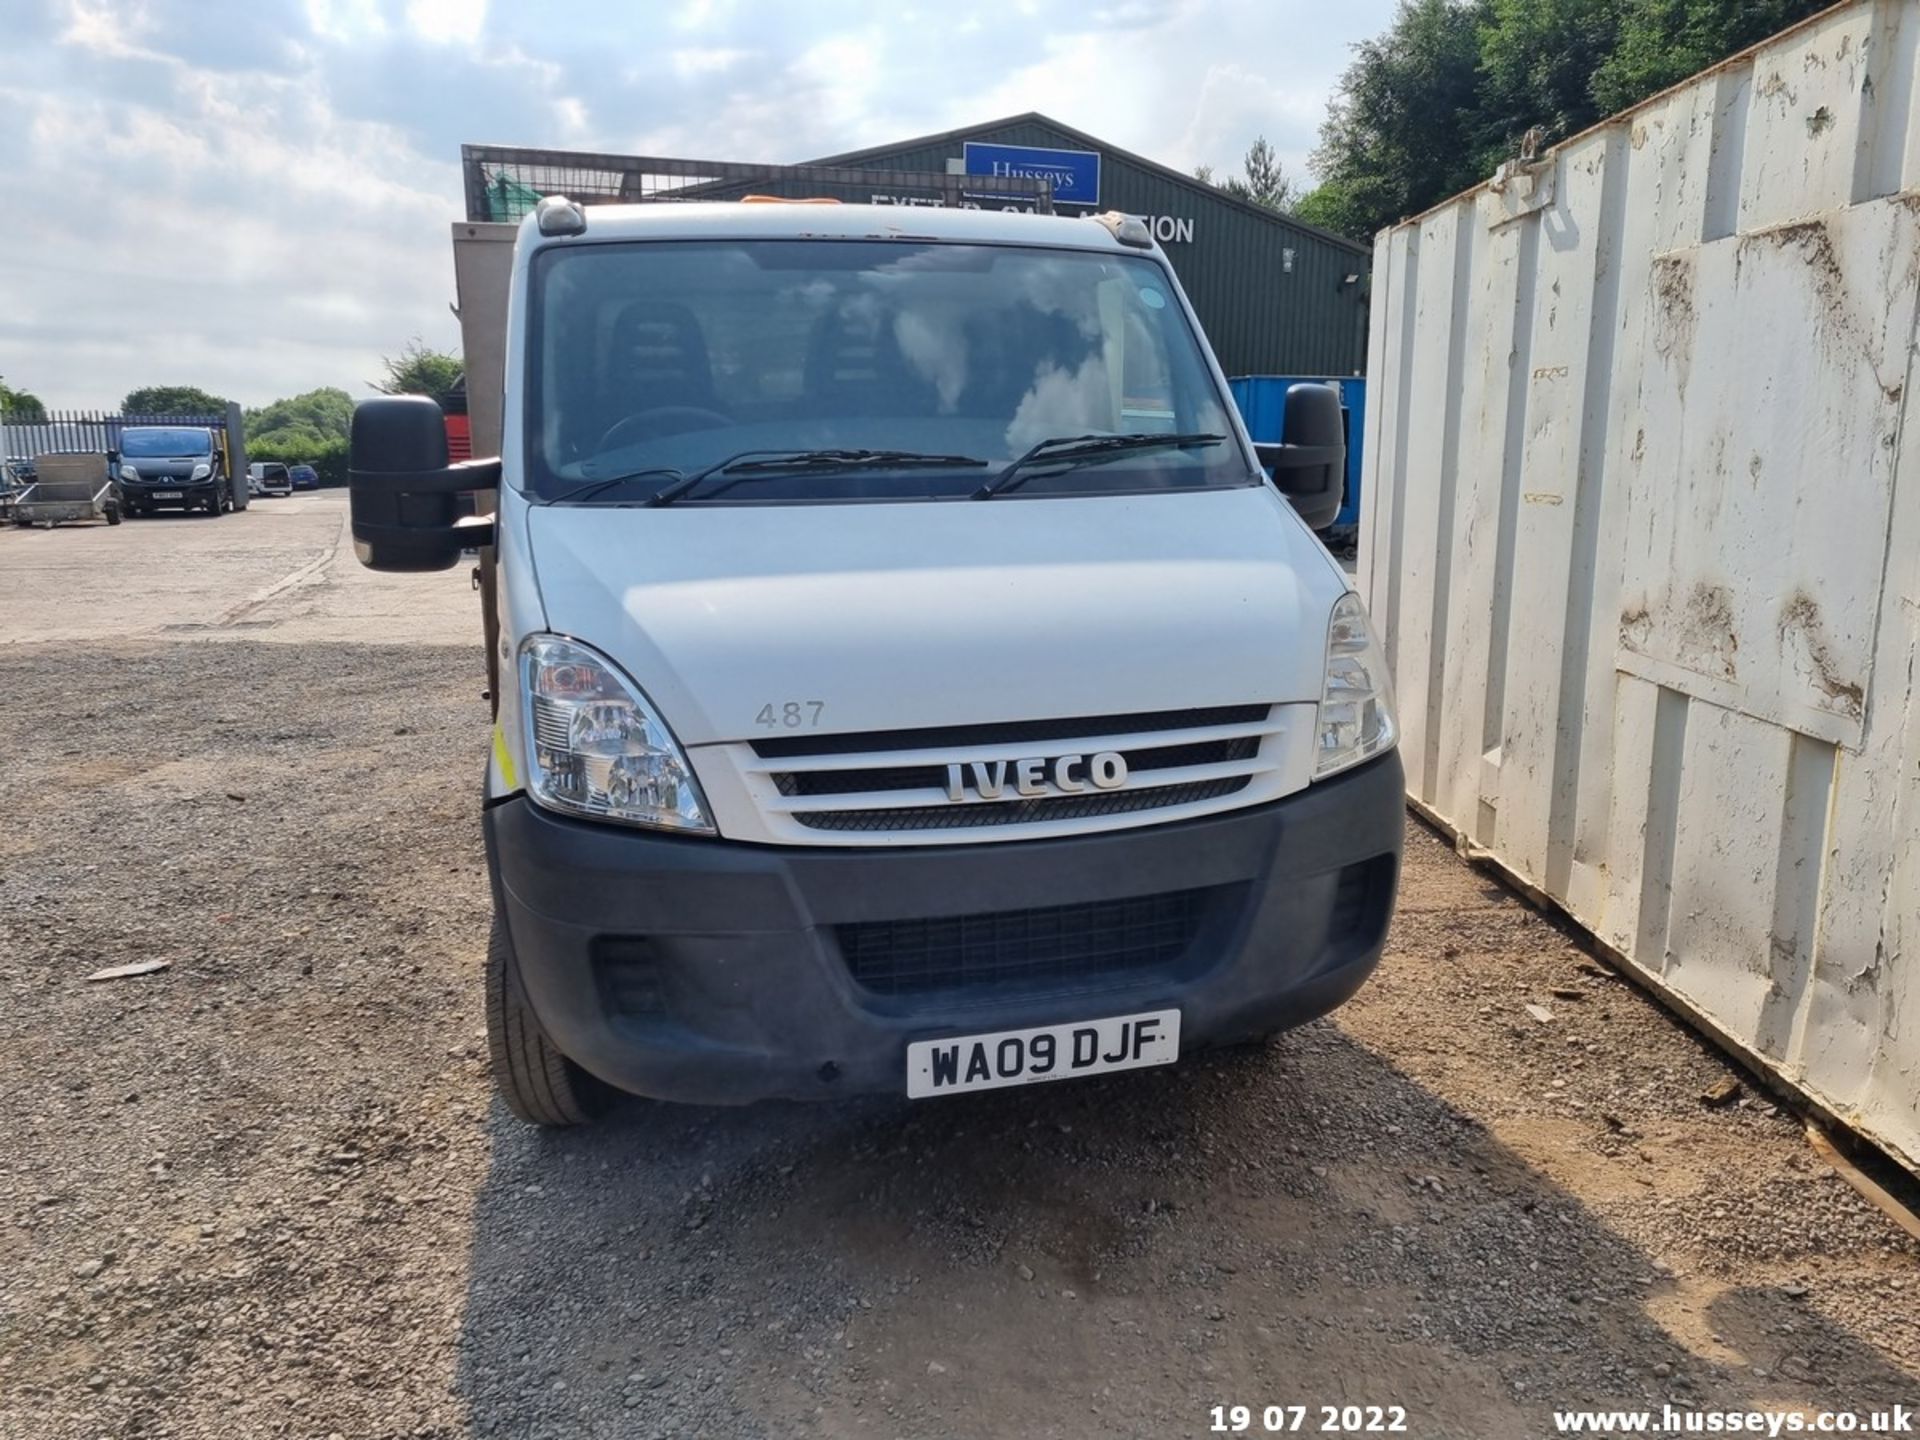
(322, 1223)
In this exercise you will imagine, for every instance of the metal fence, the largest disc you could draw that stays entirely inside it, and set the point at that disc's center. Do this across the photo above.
(504, 183)
(58, 432)
(83, 431)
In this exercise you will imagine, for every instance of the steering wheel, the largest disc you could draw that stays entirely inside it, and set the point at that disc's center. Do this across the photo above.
(662, 420)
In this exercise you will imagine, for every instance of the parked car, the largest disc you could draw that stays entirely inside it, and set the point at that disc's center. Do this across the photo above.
(304, 477)
(269, 477)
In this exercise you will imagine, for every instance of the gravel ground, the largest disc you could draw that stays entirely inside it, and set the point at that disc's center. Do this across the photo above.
(267, 1192)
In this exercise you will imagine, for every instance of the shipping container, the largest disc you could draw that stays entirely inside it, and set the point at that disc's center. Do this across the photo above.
(1643, 536)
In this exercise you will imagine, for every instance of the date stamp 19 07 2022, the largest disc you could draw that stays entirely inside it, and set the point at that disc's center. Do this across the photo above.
(1308, 1420)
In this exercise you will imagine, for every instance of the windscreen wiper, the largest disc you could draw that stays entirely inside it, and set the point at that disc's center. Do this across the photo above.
(749, 464)
(592, 488)
(1074, 450)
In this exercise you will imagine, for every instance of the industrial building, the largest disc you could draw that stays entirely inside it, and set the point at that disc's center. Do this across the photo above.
(1277, 297)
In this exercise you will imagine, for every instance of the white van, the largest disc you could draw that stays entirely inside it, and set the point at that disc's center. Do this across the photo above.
(909, 680)
(269, 478)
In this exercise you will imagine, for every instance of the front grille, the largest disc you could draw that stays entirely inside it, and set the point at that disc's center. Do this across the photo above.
(1020, 812)
(1008, 732)
(934, 777)
(898, 781)
(1014, 948)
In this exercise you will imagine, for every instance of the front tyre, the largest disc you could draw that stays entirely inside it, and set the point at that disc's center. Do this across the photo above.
(539, 1084)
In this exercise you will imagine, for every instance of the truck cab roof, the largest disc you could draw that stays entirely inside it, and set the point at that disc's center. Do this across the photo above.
(778, 220)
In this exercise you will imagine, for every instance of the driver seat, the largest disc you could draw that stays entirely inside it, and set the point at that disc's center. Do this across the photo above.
(656, 356)
(855, 367)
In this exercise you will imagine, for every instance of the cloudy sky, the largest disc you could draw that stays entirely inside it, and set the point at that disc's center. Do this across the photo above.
(254, 196)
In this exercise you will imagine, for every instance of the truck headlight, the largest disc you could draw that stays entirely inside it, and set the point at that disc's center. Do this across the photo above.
(202, 471)
(596, 748)
(129, 472)
(1356, 703)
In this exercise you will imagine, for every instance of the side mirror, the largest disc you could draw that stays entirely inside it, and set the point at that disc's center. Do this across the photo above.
(1310, 463)
(403, 493)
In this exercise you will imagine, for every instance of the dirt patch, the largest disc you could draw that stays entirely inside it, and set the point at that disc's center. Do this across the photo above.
(1674, 317)
(1845, 327)
(1802, 636)
(268, 1191)
(1707, 637)
(1636, 626)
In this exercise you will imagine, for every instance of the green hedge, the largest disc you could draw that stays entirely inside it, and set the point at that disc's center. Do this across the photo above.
(327, 456)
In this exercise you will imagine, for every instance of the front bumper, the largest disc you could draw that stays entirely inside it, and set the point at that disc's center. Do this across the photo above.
(720, 973)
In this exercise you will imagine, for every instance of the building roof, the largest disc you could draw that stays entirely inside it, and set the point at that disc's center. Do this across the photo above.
(1090, 142)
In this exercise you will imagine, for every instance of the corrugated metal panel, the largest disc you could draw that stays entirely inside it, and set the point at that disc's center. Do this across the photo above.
(1262, 313)
(1643, 535)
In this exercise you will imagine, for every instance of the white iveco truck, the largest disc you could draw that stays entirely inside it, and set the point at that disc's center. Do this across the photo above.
(907, 677)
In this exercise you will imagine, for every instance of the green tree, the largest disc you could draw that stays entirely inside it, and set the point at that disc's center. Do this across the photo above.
(326, 453)
(1434, 105)
(1401, 128)
(315, 415)
(420, 370)
(1537, 63)
(20, 406)
(172, 400)
(1662, 42)
(1265, 181)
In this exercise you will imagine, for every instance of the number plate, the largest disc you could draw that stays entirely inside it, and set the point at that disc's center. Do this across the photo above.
(166, 494)
(1047, 1052)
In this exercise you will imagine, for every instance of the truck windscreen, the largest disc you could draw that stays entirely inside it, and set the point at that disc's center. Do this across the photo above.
(658, 359)
(152, 443)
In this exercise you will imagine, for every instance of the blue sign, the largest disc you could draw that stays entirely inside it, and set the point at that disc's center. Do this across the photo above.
(1074, 174)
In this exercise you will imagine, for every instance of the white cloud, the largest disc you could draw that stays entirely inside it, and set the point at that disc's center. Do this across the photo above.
(845, 76)
(460, 21)
(698, 14)
(692, 62)
(266, 186)
(346, 21)
(248, 242)
(572, 116)
(1187, 83)
(104, 30)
